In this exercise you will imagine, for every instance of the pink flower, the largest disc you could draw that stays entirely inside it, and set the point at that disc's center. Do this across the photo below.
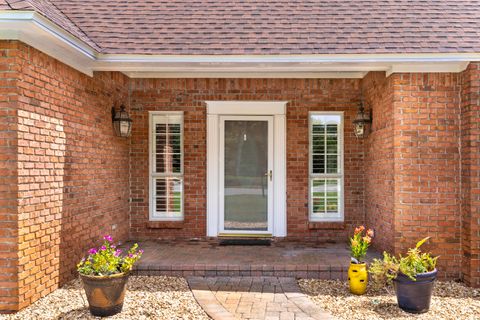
(103, 248)
(92, 251)
(117, 253)
(108, 238)
(141, 251)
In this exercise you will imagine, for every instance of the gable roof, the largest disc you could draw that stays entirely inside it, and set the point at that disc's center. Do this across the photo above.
(269, 27)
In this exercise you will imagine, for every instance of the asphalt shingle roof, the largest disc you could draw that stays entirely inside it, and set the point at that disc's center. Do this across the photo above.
(266, 27)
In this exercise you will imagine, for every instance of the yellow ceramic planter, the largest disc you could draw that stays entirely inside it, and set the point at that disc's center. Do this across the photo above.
(358, 278)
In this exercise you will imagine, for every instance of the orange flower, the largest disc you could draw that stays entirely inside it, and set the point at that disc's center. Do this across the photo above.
(359, 229)
(367, 239)
(354, 243)
(370, 233)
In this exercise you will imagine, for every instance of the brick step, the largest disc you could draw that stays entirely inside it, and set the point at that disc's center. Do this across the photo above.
(327, 272)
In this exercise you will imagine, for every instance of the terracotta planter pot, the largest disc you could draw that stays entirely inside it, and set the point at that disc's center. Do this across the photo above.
(415, 296)
(105, 294)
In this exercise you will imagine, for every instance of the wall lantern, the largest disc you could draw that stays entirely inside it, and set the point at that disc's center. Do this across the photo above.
(122, 123)
(362, 121)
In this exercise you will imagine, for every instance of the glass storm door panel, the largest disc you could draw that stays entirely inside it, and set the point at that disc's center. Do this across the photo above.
(247, 174)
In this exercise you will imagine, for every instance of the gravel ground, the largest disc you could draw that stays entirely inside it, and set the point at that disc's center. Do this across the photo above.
(146, 298)
(450, 301)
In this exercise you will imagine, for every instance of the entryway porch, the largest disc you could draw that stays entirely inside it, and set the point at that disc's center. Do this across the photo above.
(280, 259)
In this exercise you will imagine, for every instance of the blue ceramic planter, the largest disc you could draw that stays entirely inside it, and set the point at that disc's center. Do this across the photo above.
(415, 296)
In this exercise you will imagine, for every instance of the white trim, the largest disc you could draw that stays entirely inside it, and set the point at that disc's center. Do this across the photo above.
(246, 107)
(341, 176)
(35, 30)
(151, 159)
(213, 133)
(221, 170)
(280, 169)
(247, 75)
(267, 108)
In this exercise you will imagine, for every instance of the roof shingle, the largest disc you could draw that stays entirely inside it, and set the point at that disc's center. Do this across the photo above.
(267, 27)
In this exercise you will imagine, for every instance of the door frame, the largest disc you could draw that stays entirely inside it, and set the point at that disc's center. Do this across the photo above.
(221, 174)
(276, 109)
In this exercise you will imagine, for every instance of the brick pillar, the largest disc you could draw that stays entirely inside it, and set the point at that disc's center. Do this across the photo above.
(470, 142)
(427, 183)
(8, 180)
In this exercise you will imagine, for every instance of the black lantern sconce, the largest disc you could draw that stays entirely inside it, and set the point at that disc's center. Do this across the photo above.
(362, 122)
(122, 123)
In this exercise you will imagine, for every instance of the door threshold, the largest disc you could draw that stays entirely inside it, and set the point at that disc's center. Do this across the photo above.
(245, 235)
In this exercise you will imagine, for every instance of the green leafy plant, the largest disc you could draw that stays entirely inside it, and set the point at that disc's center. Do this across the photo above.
(383, 271)
(359, 243)
(108, 260)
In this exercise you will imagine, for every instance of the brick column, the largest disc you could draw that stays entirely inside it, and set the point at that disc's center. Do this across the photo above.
(8, 180)
(427, 165)
(470, 144)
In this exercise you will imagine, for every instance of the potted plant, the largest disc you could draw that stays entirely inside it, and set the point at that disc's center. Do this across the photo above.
(104, 273)
(412, 275)
(357, 272)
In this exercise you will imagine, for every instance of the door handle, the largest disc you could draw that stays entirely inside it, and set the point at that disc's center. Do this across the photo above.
(269, 174)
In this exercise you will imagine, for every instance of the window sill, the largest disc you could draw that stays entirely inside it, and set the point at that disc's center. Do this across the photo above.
(326, 225)
(165, 224)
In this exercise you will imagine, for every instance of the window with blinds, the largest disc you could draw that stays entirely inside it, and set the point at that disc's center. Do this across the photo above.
(326, 166)
(166, 166)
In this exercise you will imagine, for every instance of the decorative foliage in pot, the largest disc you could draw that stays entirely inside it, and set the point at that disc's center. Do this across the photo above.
(413, 277)
(357, 272)
(104, 274)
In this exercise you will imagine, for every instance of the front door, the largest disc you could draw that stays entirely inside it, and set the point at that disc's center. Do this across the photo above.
(246, 175)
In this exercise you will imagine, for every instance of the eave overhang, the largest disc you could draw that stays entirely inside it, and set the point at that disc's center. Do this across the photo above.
(39, 32)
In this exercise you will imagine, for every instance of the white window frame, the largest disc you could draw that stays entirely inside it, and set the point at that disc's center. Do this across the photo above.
(341, 175)
(153, 115)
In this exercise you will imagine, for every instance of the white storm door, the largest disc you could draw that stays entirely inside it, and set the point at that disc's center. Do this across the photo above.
(246, 175)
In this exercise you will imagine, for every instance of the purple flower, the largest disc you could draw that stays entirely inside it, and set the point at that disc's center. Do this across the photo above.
(92, 251)
(141, 251)
(103, 248)
(117, 253)
(130, 255)
(108, 238)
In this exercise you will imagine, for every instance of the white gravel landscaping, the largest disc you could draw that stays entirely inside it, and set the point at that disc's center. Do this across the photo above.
(451, 301)
(146, 298)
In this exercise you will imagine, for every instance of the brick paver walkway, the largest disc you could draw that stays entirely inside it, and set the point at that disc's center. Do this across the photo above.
(269, 298)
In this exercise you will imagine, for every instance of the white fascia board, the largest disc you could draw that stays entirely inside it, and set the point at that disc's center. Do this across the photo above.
(39, 32)
(42, 34)
(305, 58)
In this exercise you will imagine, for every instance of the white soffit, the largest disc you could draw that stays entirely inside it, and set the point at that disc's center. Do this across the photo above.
(39, 32)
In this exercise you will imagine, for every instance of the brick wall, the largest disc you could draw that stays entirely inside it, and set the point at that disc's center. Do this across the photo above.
(378, 165)
(8, 179)
(470, 143)
(72, 170)
(189, 95)
(427, 165)
(412, 164)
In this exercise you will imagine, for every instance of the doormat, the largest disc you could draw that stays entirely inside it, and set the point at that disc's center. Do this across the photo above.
(245, 242)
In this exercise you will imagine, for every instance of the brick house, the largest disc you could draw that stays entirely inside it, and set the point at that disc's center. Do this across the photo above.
(242, 125)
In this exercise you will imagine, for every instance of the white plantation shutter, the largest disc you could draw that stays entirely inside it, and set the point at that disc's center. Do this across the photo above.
(326, 166)
(166, 166)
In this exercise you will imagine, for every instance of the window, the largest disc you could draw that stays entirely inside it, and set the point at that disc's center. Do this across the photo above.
(326, 166)
(166, 166)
